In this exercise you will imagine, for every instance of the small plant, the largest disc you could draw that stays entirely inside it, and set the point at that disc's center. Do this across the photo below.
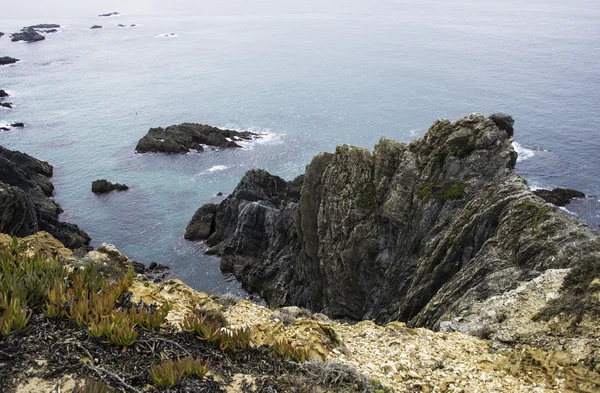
(92, 386)
(452, 191)
(283, 349)
(14, 317)
(210, 330)
(171, 372)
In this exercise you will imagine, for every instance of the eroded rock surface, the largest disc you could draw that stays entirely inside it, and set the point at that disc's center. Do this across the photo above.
(417, 232)
(190, 136)
(26, 204)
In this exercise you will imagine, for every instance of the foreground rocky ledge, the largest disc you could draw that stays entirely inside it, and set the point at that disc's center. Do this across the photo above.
(190, 136)
(363, 357)
(432, 233)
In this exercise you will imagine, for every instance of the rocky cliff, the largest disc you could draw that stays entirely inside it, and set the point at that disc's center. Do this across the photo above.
(419, 232)
(26, 200)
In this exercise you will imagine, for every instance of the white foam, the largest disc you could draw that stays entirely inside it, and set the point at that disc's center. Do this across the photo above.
(217, 168)
(524, 153)
(568, 211)
(167, 35)
(265, 136)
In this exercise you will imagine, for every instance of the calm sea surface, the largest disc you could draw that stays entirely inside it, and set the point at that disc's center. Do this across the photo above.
(309, 74)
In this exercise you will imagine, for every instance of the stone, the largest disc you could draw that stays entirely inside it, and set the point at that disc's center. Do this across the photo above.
(202, 224)
(27, 34)
(3, 94)
(103, 186)
(559, 196)
(18, 125)
(26, 200)
(7, 60)
(7, 105)
(399, 234)
(190, 136)
(504, 122)
(96, 27)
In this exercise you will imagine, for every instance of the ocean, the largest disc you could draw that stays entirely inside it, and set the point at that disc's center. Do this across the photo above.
(309, 75)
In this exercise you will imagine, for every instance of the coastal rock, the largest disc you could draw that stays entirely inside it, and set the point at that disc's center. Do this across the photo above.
(103, 186)
(110, 14)
(7, 60)
(559, 196)
(18, 125)
(96, 27)
(190, 136)
(7, 105)
(3, 94)
(415, 232)
(44, 26)
(1, 34)
(202, 224)
(27, 205)
(27, 34)
(121, 25)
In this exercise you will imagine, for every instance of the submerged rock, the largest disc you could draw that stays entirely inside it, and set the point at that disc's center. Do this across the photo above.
(190, 136)
(7, 105)
(3, 94)
(415, 232)
(27, 34)
(26, 200)
(96, 27)
(7, 60)
(1, 34)
(103, 186)
(110, 14)
(559, 196)
(44, 26)
(18, 125)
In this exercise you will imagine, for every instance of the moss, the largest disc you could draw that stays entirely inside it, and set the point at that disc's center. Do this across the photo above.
(539, 216)
(453, 191)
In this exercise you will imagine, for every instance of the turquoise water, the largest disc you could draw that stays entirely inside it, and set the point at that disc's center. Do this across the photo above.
(310, 75)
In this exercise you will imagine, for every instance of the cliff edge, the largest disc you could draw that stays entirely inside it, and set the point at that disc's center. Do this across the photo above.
(424, 232)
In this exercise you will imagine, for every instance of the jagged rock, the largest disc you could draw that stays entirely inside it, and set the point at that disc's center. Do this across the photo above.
(415, 232)
(202, 224)
(7, 60)
(27, 34)
(96, 27)
(504, 122)
(44, 26)
(3, 94)
(190, 136)
(103, 186)
(109, 14)
(559, 196)
(7, 105)
(27, 206)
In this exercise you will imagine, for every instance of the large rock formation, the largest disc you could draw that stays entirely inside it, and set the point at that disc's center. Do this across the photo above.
(27, 34)
(559, 196)
(26, 200)
(190, 136)
(416, 232)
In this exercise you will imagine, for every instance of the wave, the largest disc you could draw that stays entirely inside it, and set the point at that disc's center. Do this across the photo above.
(265, 136)
(524, 153)
(171, 35)
(212, 169)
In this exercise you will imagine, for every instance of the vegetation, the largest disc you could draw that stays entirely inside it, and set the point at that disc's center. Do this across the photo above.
(169, 373)
(446, 191)
(283, 349)
(83, 295)
(209, 326)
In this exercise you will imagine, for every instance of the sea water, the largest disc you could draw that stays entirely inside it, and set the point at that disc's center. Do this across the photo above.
(309, 75)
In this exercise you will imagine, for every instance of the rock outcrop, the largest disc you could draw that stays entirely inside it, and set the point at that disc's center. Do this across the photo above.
(559, 196)
(109, 14)
(96, 27)
(416, 232)
(1, 34)
(44, 26)
(103, 186)
(6, 105)
(3, 94)
(190, 136)
(27, 34)
(26, 200)
(8, 60)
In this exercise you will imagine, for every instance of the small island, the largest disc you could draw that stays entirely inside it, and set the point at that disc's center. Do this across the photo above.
(103, 186)
(185, 137)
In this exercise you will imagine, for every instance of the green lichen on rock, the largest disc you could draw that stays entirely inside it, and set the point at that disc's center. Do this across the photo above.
(453, 191)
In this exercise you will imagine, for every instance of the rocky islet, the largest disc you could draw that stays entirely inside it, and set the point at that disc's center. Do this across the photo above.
(185, 137)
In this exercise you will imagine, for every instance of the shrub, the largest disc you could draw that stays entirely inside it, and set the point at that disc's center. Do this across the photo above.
(14, 317)
(283, 349)
(169, 373)
(452, 191)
